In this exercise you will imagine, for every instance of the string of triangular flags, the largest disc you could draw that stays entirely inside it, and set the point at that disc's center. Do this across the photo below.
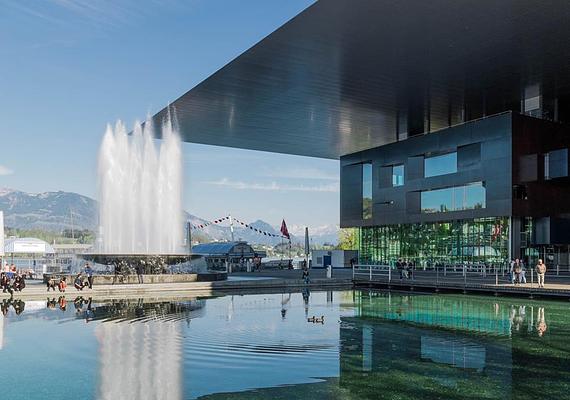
(208, 223)
(261, 232)
(248, 226)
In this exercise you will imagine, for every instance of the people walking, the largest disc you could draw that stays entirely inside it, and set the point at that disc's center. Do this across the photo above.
(139, 269)
(306, 277)
(400, 268)
(523, 273)
(540, 272)
(89, 273)
(517, 271)
(50, 283)
(512, 271)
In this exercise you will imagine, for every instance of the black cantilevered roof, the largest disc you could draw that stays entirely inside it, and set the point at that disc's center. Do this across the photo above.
(332, 80)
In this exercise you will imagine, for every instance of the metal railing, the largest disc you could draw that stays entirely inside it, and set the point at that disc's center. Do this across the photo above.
(454, 276)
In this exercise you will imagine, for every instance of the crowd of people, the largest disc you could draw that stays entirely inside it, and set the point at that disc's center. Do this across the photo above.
(517, 272)
(11, 279)
(405, 268)
(82, 280)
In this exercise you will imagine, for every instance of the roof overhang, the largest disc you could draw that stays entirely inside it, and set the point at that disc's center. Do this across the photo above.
(332, 80)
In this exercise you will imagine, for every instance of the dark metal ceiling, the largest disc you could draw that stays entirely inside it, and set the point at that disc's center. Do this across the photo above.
(331, 81)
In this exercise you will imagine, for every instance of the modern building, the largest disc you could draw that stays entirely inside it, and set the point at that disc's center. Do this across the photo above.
(30, 254)
(485, 190)
(449, 120)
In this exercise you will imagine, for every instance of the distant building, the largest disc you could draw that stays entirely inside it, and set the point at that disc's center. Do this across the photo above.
(66, 254)
(334, 258)
(30, 254)
(232, 255)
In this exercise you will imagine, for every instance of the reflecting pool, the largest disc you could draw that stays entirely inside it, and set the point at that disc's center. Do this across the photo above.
(309, 345)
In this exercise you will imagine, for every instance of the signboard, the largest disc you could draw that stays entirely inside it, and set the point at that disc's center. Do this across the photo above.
(29, 247)
(1, 234)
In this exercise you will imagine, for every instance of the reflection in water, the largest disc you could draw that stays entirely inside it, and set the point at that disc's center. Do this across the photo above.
(455, 351)
(140, 360)
(385, 357)
(373, 345)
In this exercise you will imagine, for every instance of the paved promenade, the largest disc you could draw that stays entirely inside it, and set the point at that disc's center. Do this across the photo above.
(278, 281)
(250, 283)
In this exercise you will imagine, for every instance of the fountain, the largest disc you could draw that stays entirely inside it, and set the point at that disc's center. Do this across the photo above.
(141, 221)
(140, 191)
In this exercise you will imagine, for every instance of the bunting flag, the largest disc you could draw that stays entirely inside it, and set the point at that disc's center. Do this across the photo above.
(216, 221)
(261, 232)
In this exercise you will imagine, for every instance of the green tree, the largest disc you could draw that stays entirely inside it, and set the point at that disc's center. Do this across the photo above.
(348, 239)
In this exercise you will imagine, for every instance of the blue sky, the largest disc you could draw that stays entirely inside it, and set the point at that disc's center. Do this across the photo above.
(71, 66)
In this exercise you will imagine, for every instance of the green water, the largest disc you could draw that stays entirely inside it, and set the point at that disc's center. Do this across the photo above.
(371, 345)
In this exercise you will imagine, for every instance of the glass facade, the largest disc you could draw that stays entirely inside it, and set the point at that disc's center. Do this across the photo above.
(440, 165)
(367, 191)
(398, 175)
(473, 240)
(457, 198)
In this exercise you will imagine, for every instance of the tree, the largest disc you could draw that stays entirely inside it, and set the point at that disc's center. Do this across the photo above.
(348, 239)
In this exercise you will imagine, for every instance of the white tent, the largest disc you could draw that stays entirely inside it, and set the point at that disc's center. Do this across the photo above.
(27, 246)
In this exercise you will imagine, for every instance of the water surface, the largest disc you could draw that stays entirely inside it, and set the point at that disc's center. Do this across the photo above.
(370, 345)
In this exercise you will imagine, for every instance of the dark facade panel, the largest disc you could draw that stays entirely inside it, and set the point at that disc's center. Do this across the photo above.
(528, 168)
(483, 155)
(351, 193)
(469, 157)
(533, 139)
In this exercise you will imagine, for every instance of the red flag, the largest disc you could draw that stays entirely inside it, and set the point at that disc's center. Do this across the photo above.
(284, 230)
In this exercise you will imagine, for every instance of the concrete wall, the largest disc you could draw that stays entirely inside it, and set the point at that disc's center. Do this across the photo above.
(133, 279)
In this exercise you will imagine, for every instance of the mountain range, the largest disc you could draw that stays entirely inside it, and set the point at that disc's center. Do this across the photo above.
(58, 211)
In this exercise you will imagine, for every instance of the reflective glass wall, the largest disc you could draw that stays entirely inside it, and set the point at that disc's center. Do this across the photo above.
(467, 197)
(475, 240)
(367, 191)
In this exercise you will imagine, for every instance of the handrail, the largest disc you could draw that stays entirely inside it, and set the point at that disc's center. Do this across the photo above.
(441, 275)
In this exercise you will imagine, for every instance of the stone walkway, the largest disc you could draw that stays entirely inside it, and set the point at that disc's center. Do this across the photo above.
(36, 290)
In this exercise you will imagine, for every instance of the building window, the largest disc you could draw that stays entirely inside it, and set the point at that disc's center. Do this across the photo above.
(468, 197)
(473, 240)
(398, 175)
(440, 165)
(519, 192)
(367, 191)
(556, 164)
(532, 100)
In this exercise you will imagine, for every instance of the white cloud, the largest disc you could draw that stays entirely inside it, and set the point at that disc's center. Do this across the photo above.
(5, 171)
(274, 186)
(302, 173)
